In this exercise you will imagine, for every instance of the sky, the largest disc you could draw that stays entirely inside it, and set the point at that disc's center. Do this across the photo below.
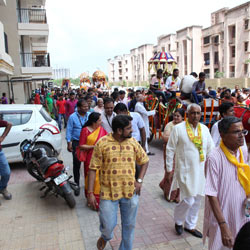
(84, 34)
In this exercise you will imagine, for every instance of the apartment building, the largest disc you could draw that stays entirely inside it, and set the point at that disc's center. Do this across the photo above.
(61, 73)
(188, 49)
(119, 69)
(223, 49)
(139, 62)
(26, 36)
(166, 43)
(6, 63)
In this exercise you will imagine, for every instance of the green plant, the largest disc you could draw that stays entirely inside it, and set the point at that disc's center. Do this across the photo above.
(218, 74)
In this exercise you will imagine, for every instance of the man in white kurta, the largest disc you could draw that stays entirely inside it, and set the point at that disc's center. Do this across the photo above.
(189, 169)
(139, 107)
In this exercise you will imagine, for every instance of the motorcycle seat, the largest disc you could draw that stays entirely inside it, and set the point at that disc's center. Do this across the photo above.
(45, 162)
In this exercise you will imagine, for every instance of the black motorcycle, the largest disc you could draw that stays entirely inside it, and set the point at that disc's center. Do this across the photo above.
(49, 170)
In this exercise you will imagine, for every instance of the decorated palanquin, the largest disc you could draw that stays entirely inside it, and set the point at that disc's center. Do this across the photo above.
(66, 83)
(161, 117)
(99, 79)
(85, 82)
(163, 60)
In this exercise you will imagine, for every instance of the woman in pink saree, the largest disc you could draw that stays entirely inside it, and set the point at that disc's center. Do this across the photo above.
(90, 134)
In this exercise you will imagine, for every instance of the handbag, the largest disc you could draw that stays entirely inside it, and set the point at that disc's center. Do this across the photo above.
(81, 154)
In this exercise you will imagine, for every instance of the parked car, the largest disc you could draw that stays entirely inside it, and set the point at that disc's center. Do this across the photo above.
(26, 121)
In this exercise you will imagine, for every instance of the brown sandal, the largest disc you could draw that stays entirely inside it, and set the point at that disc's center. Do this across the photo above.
(101, 243)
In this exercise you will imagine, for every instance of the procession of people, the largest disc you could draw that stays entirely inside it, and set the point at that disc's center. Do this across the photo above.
(108, 134)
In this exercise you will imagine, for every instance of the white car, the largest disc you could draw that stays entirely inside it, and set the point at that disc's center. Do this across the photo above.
(26, 121)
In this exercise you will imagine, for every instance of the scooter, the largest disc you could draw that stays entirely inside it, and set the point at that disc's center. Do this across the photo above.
(48, 170)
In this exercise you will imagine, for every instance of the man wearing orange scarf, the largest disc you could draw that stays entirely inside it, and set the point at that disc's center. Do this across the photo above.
(227, 186)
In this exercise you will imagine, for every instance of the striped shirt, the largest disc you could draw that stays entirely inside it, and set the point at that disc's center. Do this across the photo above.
(222, 182)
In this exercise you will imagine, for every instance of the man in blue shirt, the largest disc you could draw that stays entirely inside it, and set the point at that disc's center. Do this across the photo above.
(74, 126)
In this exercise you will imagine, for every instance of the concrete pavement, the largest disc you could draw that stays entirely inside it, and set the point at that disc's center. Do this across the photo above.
(33, 223)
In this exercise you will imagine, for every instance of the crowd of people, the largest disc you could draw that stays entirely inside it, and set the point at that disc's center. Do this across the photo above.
(108, 133)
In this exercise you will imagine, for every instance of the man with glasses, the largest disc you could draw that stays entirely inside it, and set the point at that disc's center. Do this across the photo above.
(227, 186)
(189, 143)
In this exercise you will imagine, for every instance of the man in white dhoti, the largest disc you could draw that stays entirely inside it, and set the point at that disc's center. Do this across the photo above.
(227, 186)
(139, 107)
(191, 142)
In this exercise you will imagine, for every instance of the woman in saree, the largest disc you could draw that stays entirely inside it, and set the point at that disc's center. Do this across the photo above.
(167, 187)
(49, 103)
(90, 134)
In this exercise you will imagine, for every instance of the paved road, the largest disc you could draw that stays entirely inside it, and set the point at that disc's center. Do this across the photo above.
(33, 223)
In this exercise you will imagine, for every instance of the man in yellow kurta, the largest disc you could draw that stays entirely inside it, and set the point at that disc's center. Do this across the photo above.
(115, 156)
(190, 142)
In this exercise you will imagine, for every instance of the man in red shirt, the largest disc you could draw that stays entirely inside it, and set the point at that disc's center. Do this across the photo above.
(60, 106)
(70, 105)
(4, 165)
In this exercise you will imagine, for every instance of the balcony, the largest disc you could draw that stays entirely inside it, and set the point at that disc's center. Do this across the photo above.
(32, 22)
(38, 65)
(6, 63)
(32, 16)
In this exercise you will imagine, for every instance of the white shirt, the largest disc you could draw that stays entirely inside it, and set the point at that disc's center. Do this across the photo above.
(107, 121)
(187, 84)
(169, 83)
(137, 124)
(139, 107)
(189, 170)
(216, 135)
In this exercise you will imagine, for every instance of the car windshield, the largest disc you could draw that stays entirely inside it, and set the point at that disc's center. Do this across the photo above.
(45, 115)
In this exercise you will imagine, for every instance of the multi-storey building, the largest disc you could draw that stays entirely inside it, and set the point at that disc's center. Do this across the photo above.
(188, 49)
(61, 73)
(26, 37)
(223, 49)
(139, 62)
(167, 43)
(119, 69)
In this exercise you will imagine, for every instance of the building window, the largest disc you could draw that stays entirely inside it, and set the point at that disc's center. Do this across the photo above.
(216, 39)
(233, 31)
(6, 43)
(126, 77)
(177, 45)
(207, 72)
(216, 57)
(246, 24)
(177, 59)
(246, 46)
(207, 58)
(126, 69)
(120, 78)
(233, 51)
(120, 71)
(126, 61)
(246, 69)
(169, 47)
(206, 40)
(120, 64)
(232, 71)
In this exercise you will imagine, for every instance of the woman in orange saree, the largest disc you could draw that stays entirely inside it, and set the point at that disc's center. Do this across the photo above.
(90, 134)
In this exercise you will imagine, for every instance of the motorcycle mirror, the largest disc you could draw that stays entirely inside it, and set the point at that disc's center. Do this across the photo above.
(51, 128)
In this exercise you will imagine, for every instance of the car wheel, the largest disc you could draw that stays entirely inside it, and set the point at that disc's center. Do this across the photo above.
(49, 150)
